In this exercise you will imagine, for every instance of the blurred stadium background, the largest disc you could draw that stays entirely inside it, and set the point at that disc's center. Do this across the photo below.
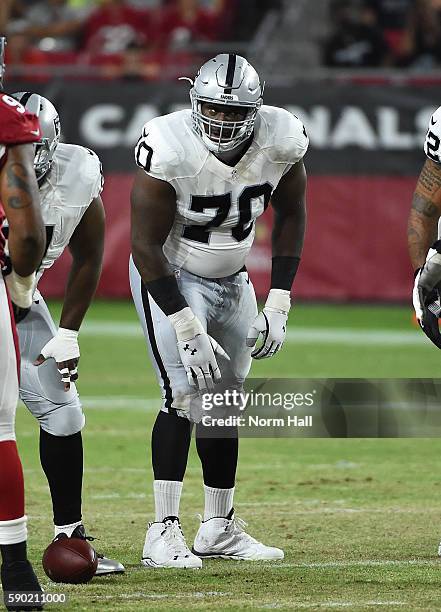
(362, 74)
(364, 77)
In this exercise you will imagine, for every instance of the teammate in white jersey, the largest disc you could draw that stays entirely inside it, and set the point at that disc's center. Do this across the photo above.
(424, 235)
(70, 183)
(204, 177)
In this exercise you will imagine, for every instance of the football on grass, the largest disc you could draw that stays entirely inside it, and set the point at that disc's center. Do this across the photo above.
(70, 560)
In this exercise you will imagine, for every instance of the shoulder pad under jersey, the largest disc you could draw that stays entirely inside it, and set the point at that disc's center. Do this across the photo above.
(169, 149)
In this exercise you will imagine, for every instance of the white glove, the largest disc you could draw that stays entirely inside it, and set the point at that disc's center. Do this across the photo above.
(271, 323)
(63, 347)
(426, 296)
(432, 256)
(20, 288)
(197, 350)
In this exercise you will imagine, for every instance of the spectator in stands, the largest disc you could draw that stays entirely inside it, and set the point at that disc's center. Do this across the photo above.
(51, 24)
(134, 64)
(120, 40)
(29, 61)
(115, 26)
(392, 17)
(5, 13)
(355, 40)
(247, 15)
(424, 34)
(186, 21)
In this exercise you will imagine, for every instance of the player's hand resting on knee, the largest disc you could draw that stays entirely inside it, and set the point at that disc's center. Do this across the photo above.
(197, 350)
(426, 295)
(270, 324)
(63, 347)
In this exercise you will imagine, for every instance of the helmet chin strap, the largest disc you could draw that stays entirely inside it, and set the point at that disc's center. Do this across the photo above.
(219, 147)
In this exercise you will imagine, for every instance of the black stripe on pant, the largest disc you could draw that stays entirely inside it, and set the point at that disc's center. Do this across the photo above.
(155, 350)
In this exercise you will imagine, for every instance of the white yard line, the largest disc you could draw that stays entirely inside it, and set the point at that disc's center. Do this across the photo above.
(97, 402)
(111, 402)
(309, 335)
(350, 337)
(275, 513)
(271, 606)
(141, 595)
(333, 604)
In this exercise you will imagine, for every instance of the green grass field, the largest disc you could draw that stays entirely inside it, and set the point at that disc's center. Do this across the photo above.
(359, 520)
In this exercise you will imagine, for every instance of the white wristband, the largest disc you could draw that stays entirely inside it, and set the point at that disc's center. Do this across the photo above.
(278, 300)
(67, 334)
(20, 288)
(63, 346)
(186, 324)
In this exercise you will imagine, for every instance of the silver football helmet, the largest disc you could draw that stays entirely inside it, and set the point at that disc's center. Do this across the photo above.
(49, 125)
(228, 80)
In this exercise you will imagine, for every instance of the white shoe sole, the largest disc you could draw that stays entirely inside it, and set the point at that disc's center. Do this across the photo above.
(150, 564)
(235, 557)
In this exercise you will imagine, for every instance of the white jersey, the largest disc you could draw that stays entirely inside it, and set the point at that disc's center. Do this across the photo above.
(217, 204)
(432, 144)
(74, 180)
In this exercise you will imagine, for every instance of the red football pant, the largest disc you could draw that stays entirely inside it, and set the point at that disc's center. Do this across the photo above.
(12, 519)
(11, 482)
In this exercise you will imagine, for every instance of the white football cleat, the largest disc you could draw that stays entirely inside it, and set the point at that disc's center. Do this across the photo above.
(439, 549)
(226, 538)
(165, 546)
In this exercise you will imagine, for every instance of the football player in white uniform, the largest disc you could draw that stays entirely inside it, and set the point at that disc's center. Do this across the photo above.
(70, 183)
(204, 177)
(424, 235)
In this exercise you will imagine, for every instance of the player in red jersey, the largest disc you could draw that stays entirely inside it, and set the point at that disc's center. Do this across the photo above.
(20, 204)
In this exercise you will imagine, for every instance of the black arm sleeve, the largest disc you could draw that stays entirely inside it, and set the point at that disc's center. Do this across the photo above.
(165, 292)
(283, 272)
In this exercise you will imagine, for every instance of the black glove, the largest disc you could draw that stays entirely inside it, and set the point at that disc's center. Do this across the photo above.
(19, 313)
(15, 288)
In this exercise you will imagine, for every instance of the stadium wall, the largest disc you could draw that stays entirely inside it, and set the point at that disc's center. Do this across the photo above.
(364, 157)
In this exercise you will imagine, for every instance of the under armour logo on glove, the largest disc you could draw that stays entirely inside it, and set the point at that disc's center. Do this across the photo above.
(198, 358)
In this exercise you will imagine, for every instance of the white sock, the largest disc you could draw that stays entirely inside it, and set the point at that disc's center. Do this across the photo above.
(218, 502)
(167, 497)
(13, 531)
(67, 529)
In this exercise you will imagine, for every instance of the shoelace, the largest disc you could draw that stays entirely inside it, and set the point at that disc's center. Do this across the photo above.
(92, 539)
(237, 527)
(174, 538)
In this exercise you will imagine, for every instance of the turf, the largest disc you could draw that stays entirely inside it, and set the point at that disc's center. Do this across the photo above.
(358, 519)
